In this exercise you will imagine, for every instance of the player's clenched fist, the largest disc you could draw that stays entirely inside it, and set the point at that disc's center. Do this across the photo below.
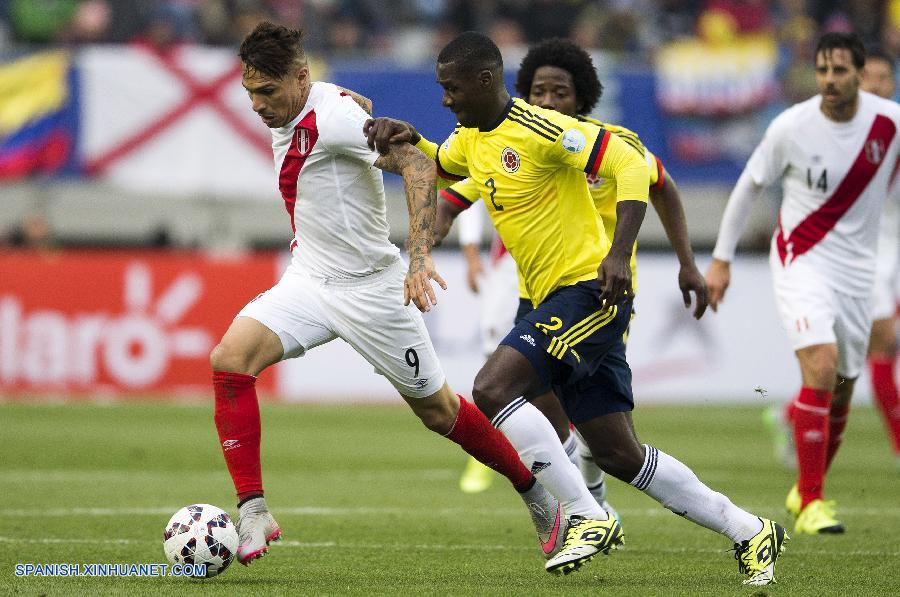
(417, 286)
(382, 132)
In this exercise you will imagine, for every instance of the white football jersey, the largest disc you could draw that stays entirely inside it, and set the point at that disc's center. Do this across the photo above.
(331, 190)
(835, 178)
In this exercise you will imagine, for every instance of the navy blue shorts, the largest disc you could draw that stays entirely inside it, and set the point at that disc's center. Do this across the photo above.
(578, 349)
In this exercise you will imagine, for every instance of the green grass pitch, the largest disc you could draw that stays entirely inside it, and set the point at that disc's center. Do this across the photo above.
(368, 502)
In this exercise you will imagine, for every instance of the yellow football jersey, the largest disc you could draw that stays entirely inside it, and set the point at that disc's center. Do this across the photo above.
(530, 169)
(602, 190)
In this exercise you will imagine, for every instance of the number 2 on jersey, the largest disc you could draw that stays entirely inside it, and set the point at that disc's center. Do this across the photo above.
(490, 183)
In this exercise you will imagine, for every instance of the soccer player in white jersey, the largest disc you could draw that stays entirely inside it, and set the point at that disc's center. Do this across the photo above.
(879, 77)
(835, 154)
(346, 280)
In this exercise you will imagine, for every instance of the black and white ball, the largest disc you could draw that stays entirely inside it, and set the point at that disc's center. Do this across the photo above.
(201, 534)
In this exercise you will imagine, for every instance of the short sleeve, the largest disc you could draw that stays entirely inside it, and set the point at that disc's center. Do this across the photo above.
(580, 145)
(451, 157)
(342, 133)
(462, 194)
(656, 170)
(768, 161)
(598, 152)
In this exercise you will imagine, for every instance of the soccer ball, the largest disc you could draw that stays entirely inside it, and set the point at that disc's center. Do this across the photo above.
(201, 534)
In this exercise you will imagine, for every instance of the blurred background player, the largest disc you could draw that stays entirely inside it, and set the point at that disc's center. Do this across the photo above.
(559, 75)
(528, 162)
(834, 154)
(346, 280)
(879, 77)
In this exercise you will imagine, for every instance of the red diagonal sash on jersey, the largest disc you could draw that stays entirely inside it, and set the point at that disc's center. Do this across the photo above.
(199, 94)
(306, 133)
(820, 222)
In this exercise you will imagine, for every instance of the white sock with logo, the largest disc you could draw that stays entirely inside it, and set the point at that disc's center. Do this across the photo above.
(534, 438)
(593, 475)
(571, 448)
(676, 487)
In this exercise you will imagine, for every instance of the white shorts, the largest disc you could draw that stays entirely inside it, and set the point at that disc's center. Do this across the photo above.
(884, 294)
(813, 313)
(499, 302)
(368, 313)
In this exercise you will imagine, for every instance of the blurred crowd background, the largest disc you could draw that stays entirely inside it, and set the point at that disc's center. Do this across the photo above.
(416, 29)
(707, 75)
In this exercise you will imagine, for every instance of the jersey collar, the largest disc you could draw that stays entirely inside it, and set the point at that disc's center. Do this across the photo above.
(502, 117)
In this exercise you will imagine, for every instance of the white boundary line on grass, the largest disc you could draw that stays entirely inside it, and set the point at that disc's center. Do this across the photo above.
(439, 547)
(359, 511)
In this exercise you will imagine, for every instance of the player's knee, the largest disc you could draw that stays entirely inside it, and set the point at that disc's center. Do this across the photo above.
(819, 368)
(225, 358)
(488, 396)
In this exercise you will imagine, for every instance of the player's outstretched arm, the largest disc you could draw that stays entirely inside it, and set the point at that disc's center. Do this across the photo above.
(667, 203)
(418, 174)
(718, 276)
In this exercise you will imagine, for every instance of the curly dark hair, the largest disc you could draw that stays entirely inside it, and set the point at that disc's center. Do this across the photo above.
(272, 50)
(569, 56)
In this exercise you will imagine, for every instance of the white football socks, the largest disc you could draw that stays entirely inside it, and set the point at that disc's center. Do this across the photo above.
(534, 438)
(571, 448)
(592, 474)
(676, 487)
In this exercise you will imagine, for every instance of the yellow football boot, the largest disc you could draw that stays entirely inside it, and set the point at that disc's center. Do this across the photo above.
(817, 518)
(756, 556)
(476, 477)
(585, 538)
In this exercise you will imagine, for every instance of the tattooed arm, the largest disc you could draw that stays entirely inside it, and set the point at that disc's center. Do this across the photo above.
(361, 100)
(418, 174)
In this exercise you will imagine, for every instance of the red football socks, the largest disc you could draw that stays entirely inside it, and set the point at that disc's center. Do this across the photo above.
(237, 420)
(884, 387)
(837, 420)
(810, 414)
(475, 434)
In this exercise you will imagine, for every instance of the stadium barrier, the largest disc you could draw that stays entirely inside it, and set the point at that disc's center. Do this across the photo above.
(141, 324)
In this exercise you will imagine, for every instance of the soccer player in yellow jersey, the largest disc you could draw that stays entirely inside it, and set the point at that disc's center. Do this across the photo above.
(529, 164)
(559, 75)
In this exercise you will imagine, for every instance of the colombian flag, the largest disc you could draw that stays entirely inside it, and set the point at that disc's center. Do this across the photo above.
(38, 116)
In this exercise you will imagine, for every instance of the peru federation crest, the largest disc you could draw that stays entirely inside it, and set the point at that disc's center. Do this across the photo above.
(874, 151)
(509, 159)
(303, 144)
